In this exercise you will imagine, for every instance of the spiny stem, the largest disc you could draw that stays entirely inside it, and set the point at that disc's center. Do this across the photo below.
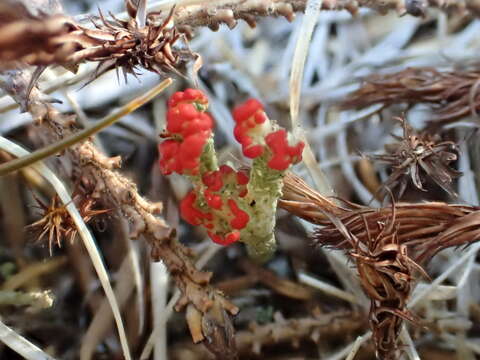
(65, 143)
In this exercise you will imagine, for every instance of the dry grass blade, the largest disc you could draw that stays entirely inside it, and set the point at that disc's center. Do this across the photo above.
(85, 235)
(85, 133)
(453, 94)
(21, 345)
(298, 63)
(102, 319)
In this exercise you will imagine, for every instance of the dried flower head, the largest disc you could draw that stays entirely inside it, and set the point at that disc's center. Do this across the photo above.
(418, 156)
(56, 223)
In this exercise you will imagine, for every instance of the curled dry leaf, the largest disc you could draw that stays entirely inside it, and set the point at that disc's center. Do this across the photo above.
(389, 246)
(417, 156)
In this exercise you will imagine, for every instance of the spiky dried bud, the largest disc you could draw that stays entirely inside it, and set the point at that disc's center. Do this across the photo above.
(418, 156)
(56, 223)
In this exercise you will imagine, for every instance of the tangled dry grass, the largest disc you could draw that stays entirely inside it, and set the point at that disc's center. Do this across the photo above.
(363, 250)
(389, 246)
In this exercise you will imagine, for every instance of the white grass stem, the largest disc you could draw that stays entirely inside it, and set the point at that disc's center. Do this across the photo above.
(351, 348)
(20, 345)
(460, 261)
(326, 288)
(356, 346)
(159, 283)
(165, 315)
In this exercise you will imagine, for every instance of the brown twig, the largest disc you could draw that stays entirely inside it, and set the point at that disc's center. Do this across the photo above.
(453, 94)
(116, 43)
(321, 327)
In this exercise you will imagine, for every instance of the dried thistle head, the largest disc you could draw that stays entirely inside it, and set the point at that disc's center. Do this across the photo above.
(56, 223)
(416, 157)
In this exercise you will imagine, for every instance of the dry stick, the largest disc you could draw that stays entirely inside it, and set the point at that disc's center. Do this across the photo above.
(196, 15)
(85, 235)
(161, 321)
(33, 271)
(85, 133)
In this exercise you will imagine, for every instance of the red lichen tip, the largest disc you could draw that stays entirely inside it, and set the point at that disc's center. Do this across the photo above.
(213, 180)
(283, 155)
(168, 151)
(244, 111)
(214, 201)
(251, 126)
(242, 178)
(191, 96)
(240, 219)
(182, 157)
(226, 240)
(189, 212)
(188, 126)
(186, 120)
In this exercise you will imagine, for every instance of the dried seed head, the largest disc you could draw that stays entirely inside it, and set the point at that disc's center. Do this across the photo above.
(386, 275)
(387, 244)
(418, 156)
